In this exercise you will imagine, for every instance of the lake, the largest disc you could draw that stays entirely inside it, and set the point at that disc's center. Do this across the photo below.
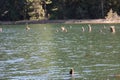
(45, 52)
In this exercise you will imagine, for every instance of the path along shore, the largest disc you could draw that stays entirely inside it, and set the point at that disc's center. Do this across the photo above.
(73, 21)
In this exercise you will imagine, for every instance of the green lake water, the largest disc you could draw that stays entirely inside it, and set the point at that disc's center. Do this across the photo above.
(47, 53)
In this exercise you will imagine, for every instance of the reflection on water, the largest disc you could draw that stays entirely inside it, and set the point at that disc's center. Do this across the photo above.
(47, 53)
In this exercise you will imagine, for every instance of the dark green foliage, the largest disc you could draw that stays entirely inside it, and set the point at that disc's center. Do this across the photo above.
(12, 10)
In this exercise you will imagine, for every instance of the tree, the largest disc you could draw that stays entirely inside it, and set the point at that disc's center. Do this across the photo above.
(37, 9)
(112, 15)
(12, 10)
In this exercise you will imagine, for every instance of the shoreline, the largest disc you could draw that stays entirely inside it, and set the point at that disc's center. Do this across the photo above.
(72, 21)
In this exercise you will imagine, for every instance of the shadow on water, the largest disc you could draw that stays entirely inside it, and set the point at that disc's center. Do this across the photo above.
(47, 52)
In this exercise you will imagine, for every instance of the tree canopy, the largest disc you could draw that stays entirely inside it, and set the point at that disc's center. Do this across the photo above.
(13, 10)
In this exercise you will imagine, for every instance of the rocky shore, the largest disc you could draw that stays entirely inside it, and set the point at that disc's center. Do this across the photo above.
(89, 21)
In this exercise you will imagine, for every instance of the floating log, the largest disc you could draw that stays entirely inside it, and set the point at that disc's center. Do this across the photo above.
(71, 71)
(90, 29)
(0, 29)
(83, 29)
(63, 29)
(112, 29)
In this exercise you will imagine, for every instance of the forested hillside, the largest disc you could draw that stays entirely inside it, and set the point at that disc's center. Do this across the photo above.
(14, 10)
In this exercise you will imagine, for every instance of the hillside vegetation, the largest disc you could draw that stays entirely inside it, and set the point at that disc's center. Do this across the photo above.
(15, 10)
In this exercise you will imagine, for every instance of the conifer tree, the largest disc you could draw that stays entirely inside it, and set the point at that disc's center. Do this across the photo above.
(35, 9)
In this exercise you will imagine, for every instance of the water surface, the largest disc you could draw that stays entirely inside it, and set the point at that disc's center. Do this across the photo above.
(47, 53)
